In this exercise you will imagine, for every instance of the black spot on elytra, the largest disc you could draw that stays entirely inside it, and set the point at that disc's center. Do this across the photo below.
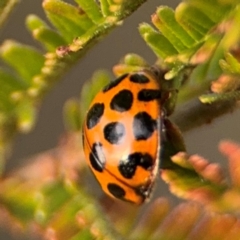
(139, 78)
(114, 132)
(94, 115)
(114, 83)
(97, 158)
(116, 190)
(147, 95)
(143, 126)
(128, 167)
(122, 101)
(144, 160)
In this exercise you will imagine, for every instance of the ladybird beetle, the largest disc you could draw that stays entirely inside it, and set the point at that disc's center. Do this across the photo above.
(121, 136)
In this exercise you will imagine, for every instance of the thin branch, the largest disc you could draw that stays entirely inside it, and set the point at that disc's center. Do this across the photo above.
(194, 113)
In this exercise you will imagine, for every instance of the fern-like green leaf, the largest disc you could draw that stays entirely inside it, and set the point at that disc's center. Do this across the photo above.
(77, 29)
(163, 48)
(196, 35)
(188, 26)
(92, 10)
(13, 52)
(49, 38)
(67, 19)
